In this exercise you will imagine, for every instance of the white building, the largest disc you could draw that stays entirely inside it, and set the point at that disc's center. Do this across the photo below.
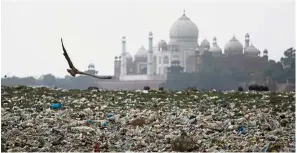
(152, 63)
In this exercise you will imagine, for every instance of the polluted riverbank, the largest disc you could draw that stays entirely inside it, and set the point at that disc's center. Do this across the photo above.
(39, 119)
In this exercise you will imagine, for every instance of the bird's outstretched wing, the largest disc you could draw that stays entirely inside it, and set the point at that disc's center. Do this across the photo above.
(71, 66)
(96, 76)
(73, 71)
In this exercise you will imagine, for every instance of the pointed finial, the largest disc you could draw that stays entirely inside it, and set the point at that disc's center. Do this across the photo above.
(184, 11)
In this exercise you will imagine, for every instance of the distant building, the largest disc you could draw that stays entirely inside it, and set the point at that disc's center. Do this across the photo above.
(91, 69)
(183, 46)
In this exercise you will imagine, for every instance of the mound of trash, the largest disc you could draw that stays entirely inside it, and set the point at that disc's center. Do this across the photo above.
(39, 119)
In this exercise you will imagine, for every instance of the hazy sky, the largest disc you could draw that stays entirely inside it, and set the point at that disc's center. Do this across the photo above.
(92, 30)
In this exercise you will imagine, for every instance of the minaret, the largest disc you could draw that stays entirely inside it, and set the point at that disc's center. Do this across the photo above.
(123, 59)
(150, 55)
(214, 43)
(197, 59)
(116, 67)
(247, 40)
(265, 54)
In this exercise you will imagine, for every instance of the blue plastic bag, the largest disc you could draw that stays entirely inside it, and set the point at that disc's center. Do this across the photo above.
(109, 115)
(89, 121)
(241, 130)
(56, 106)
(105, 124)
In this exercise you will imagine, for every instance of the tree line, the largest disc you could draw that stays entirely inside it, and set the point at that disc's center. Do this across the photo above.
(68, 82)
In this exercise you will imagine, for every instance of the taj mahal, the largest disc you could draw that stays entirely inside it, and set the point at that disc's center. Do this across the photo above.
(152, 63)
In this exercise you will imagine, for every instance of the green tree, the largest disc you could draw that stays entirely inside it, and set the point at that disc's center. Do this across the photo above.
(49, 80)
(288, 63)
(274, 70)
(289, 60)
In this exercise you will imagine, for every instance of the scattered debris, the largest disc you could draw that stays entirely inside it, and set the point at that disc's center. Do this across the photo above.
(116, 121)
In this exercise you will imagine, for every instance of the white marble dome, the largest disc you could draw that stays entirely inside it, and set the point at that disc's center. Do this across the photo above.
(91, 66)
(215, 49)
(205, 44)
(162, 44)
(233, 46)
(142, 52)
(265, 51)
(183, 28)
(251, 50)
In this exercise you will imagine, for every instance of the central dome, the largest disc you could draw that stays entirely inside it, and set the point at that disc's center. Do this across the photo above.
(183, 28)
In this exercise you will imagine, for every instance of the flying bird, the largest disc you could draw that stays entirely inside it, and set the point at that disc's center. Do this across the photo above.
(74, 71)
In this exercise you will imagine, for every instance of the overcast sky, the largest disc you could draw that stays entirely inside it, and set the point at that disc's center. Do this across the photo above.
(92, 30)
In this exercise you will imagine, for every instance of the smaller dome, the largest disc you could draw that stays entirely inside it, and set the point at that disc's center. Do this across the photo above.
(120, 57)
(233, 46)
(116, 57)
(142, 52)
(91, 66)
(162, 44)
(265, 51)
(215, 49)
(247, 35)
(205, 44)
(251, 50)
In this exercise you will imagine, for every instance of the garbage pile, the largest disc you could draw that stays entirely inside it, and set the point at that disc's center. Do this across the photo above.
(39, 119)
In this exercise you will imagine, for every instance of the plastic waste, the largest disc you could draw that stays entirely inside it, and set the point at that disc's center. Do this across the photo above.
(39, 108)
(89, 121)
(241, 130)
(105, 124)
(109, 115)
(191, 117)
(213, 130)
(56, 106)
(62, 114)
(97, 147)
(293, 146)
